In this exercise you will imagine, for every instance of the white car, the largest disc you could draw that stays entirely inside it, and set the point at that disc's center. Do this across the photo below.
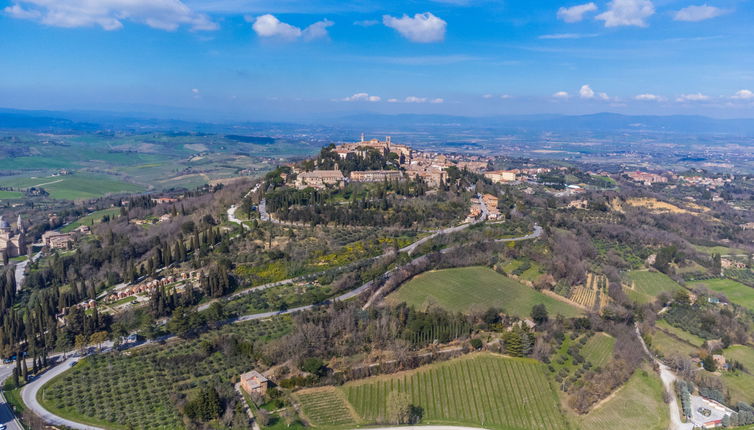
(3, 427)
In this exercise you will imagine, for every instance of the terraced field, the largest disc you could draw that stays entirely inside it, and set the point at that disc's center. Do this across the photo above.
(326, 406)
(682, 334)
(668, 345)
(645, 286)
(598, 350)
(637, 405)
(736, 292)
(469, 288)
(485, 390)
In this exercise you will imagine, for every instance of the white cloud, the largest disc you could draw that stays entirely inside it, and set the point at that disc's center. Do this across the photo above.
(575, 13)
(437, 100)
(586, 92)
(627, 12)
(269, 26)
(393, 100)
(195, 90)
(698, 97)
(362, 97)
(413, 99)
(422, 28)
(110, 14)
(743, 95)
(505, 96)
(649, 97)
(318, 30)
(561, 95)
(487, 96)
(698, 13)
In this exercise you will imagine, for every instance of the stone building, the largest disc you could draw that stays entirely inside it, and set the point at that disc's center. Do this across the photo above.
(12, 241)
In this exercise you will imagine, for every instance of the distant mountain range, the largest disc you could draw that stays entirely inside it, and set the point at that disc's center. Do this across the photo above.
(600, 122)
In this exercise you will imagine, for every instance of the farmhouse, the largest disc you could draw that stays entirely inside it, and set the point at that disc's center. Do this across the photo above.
(319, 178)
(376, 176)
(646, 178)
(254, 382)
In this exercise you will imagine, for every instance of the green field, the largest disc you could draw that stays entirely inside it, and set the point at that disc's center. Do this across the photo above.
(7, 195)
(649, 285)
(636, 405)
(92, 218)
(740, 383)
(471, 288)
(483, 389)
(326, 406)
(683, 334)
(736, 292)
(73, 187)
(134, 389)
(723, 250)
(598, 350)
(668, 345)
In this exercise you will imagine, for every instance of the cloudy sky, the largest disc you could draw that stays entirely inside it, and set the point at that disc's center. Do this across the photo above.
(274, 59)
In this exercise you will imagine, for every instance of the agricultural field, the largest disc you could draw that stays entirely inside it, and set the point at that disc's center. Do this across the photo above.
(598, 350)
(722, 250)
(680, 333)
(523, 269)
(668, 345)
(10, 195)
(592, 295)
(133, 390)
(736, 292)
(744, 276)
(74, 187)
(484, 390)
(469, 288)
(644, 286)
(740, 383)
(92, 218)
(326, 406)
(637, 405)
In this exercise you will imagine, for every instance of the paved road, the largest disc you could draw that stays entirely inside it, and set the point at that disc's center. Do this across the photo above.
(6, 412)
(668, 381)
(21, 270)
(29, 394)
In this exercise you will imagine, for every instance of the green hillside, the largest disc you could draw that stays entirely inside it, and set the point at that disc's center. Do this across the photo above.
(468, 288)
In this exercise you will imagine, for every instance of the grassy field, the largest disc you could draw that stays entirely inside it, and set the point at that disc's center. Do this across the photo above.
(72, 187)
(740, 384)
(116, 391)
(485, 390)
(637, 405)
(683, 334)
(94, 217)
(723, 250)
(7, 195)
(648, 285)
(736, 292)
(668, 345)
(599, 349)
(468, 288)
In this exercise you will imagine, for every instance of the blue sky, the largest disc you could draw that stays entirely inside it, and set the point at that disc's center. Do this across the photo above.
(278, 59)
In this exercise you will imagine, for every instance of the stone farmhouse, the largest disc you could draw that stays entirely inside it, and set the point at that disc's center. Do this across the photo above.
(254, 382)
(319, 178)
(499, 176)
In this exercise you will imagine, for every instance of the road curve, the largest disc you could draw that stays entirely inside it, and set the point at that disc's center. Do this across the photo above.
(29, 395)
(6, 411)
